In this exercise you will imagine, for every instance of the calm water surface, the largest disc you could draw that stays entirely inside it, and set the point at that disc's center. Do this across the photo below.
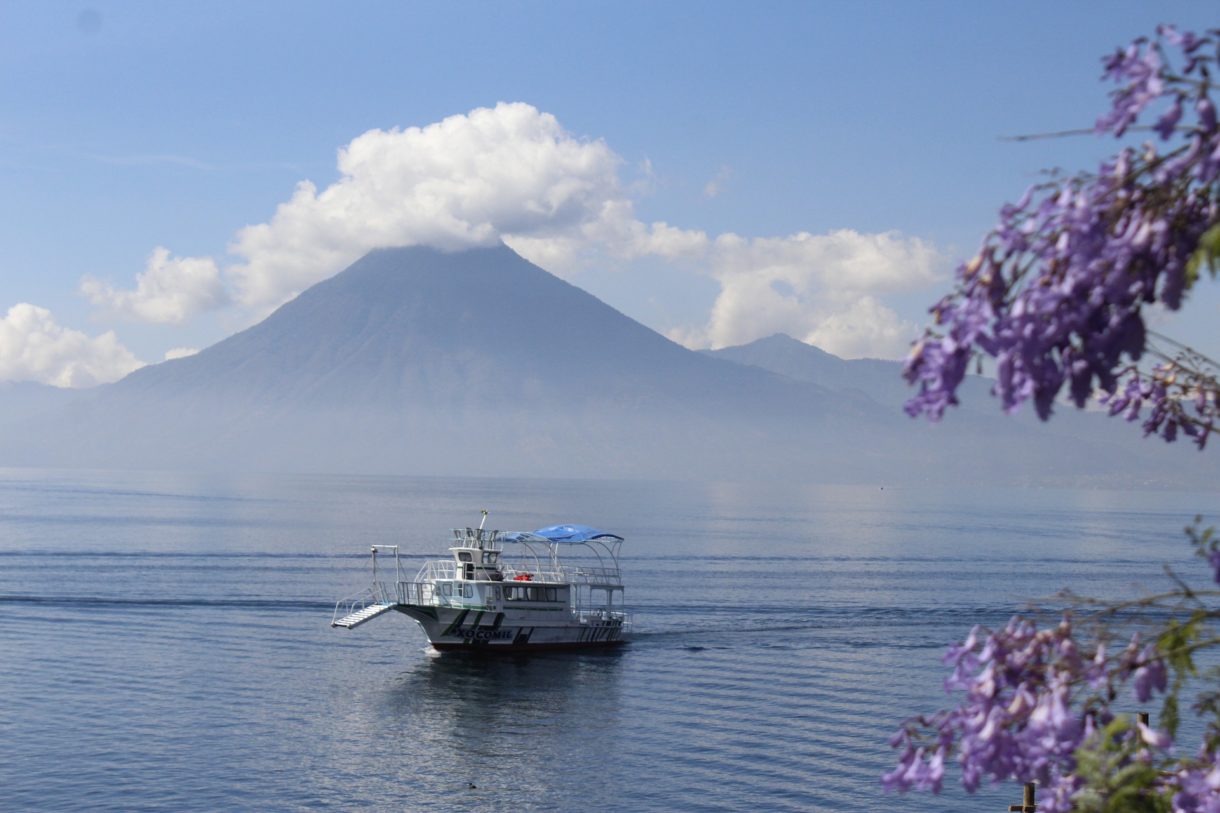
(165, 642)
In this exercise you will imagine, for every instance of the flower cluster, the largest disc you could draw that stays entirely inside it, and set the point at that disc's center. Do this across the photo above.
(1032, 699)
(1038, 704)
(1197, 787)
(1055, 295)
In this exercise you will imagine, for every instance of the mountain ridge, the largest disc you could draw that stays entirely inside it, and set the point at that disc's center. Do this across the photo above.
(418, 361)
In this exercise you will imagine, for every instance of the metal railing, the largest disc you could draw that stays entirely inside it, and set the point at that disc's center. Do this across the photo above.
(437, 569)
(420, 593)
(533, 574)
(426, 594)
(595, 575)
(379, 593)
(599, 576)
(601, 614)
(478, 538)
(447, 569)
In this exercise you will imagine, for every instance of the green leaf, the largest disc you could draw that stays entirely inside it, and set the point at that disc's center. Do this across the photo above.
(1175, 643)
(1169, 714)
(1207, 254)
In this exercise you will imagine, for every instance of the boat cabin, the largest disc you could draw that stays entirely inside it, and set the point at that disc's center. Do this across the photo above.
(476, 554)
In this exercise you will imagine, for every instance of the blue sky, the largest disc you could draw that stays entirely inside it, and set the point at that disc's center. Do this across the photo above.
(871, 128)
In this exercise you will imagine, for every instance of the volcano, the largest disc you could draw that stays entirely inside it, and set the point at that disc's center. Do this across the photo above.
(420, 361)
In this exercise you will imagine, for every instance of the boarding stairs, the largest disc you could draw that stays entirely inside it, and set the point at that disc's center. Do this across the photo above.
(377, 600)
(367, 613)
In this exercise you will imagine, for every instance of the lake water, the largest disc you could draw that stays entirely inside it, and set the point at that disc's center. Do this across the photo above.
(166, 645)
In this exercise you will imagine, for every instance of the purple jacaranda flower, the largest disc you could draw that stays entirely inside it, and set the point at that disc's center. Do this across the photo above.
(1141, 67)
(1095, 674)
(1207, 114)
(1186, 40)
(1056, 292)
(1017, 719)
(1166, 124)
(1149, 674)
(1198, 785)
(1152, 737)
(917, 770)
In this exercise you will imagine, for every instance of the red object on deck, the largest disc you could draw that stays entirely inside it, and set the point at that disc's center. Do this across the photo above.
(523, 577)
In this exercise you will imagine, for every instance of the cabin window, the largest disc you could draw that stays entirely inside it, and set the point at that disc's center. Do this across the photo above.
(464, 556)
(550, 594)
(446, 589)
(467, 591)
(496, 591)
(510, 594)
(490, 557)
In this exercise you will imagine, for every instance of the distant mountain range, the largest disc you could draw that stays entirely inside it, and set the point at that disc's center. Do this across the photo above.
(875, 379)
(478, 362)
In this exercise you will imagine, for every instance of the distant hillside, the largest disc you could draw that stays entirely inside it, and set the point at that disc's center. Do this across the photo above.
(882, 382)
(22, 400)
(879, 380)
(478, 362)
(419, 327)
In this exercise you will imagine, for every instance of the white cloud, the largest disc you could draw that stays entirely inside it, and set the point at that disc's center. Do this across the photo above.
(513, 173)
(843, 261)
(864, 329)
(505, 172)
(819, 288)
(170, 290)
(33, 347)
(509, 173)
(617, 231)
(180, 353)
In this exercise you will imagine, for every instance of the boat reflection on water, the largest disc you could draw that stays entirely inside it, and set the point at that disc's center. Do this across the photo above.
(537, 724)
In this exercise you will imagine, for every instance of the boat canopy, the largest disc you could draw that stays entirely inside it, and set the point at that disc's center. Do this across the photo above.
(574, 534)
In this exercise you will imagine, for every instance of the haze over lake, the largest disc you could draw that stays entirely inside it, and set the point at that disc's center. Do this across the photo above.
(477, 362)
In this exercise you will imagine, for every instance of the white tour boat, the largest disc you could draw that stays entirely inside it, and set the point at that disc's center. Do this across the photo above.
(479, 599)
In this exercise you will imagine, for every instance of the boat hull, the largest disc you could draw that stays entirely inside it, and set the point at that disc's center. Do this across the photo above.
(452, 629)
